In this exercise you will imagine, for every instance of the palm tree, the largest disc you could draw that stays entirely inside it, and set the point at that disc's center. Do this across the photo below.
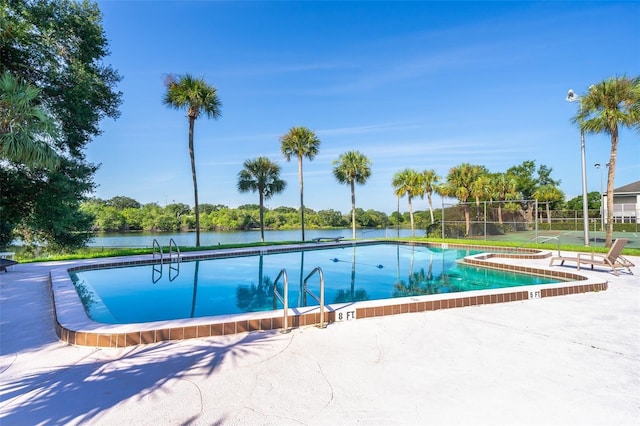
(263, 176)
(481, 188)
(410, 183)
(607, 106)
(459, 184)
(197, 97)
(504, 188)
(350, 168)
(25, 128)
(548, 194)
(300, 142)
(430, 179)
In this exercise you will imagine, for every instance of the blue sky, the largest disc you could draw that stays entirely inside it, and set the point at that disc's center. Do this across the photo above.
(426, 85)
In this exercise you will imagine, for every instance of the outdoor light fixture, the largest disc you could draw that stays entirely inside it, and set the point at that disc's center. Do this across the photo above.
(572, 97)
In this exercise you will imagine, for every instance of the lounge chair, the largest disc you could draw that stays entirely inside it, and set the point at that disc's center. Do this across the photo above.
(613, 259)
(5, 263)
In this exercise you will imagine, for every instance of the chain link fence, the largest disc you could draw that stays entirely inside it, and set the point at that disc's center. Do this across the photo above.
(529, 220)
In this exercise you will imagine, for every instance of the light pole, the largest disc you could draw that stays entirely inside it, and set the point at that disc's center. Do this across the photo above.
(572, 97)
(601, 199)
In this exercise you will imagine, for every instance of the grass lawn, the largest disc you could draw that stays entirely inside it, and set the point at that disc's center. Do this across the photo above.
(566, 244)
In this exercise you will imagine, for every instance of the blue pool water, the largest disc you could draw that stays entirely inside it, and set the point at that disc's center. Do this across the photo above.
(233, 285)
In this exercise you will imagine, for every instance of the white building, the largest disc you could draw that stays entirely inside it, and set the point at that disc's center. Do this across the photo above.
(626, 203)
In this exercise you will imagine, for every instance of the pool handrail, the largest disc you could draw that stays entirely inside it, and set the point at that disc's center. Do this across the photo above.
(154, 245)
(177, 249)
(176, 268)
(284, 299)
(320, 299)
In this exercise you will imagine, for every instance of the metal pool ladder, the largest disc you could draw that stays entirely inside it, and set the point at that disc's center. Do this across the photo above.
(154, 245)
(173, 244)
(174, 271)
(320, 299)
(284, 299)
(173, 247)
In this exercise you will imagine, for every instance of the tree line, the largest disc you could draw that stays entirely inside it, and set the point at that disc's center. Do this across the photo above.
(122, 213)
(516, 190)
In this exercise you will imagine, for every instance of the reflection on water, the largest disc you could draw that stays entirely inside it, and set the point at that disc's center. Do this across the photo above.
(157, 269)
(255, 297)
(351, 295)
(260, 297)
(86, 295)
(196, 270)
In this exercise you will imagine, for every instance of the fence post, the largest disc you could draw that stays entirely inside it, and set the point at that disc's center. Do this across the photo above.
(485, 220)
(442, 207)
(536, 218)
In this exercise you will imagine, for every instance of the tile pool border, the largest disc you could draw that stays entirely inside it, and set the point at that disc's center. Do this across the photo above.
(72, 325)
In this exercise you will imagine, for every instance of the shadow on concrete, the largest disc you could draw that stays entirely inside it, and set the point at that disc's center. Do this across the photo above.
(82, 391)
(79, 390)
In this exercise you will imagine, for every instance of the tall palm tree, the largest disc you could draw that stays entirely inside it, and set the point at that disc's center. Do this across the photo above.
(26, 130)
(548, 194)
(504, 188)
(302, 143)
(262, 176)
(481, 188)
(410, 183)
(608, 105)
(350, 168)
(459, 184)
(430, 179)
(197, 97)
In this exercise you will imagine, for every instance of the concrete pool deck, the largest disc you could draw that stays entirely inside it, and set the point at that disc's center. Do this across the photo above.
(571, 359)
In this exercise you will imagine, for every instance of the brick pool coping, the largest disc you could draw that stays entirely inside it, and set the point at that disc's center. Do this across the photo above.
(72, 325)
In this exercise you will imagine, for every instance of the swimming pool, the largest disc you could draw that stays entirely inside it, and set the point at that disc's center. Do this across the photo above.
(234, 285)
(72, 325)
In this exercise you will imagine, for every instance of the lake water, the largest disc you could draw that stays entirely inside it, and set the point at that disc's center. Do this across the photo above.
(144, 239)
